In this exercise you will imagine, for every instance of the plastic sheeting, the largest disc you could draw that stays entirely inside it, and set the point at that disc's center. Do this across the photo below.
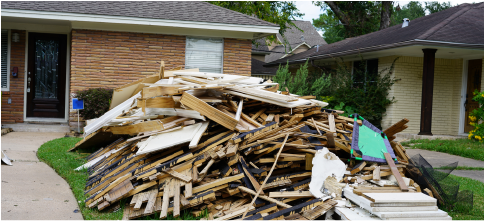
(325, 164)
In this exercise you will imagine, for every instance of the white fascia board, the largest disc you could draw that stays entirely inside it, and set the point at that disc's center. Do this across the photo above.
(304, 43)
(137, 21)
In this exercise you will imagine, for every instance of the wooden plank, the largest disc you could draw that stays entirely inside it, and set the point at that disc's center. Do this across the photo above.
(247, 190)
(166, 201)
(295, 209)
(158, 102)
(358, 167)
(178, 175)
(146, 126)
(176, 200)
(395, 172)
(239, 110)
(290, 194)
(209, 111)
(332, 127)
(150, 206)
(319, 210)
(198, 135)
(149, 92)
(249, 175)
(216, 183)
(376, 174)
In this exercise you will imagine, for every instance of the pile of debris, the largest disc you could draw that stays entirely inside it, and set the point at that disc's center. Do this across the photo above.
(240, 149)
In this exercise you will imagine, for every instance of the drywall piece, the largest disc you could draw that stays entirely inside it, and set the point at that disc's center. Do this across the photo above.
(166, 140)
(426, 218)
(400, 198)
(412, 214)
(354, 214)
(161, 111)
(189, 114)
(5, 159)
(325, 164)
(367, 204)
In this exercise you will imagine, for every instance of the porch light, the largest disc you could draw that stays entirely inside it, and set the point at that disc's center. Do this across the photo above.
(15, 37)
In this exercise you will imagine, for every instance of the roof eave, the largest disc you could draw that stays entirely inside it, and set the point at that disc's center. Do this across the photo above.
(91, 18)
(377, 48)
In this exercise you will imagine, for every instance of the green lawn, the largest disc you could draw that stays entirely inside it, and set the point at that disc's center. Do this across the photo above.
(54, 153)
(461, 147)
(477, 213)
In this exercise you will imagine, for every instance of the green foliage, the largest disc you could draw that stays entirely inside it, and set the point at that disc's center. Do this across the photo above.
(302, 83)
(360, 17)
(412, 10)
(435, 6)
(477, 118)
(348, 110)
(96, 102)
(370, 100)
(281, 13)
(333, 30)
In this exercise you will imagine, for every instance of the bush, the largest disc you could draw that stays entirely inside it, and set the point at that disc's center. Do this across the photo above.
(96, 102)
(477, 118)
(337, 88)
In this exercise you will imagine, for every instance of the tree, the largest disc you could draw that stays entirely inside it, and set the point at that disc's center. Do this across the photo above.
(433, 7)
(355, 18)
(281, 13)
(412, 10)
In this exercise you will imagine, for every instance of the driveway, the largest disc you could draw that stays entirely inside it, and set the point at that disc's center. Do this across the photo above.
(31, 190)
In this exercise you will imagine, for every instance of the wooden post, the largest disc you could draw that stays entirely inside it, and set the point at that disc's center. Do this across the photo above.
(427, 91)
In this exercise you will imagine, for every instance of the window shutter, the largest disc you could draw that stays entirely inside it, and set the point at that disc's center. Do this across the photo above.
(4, 59)
(205, 54)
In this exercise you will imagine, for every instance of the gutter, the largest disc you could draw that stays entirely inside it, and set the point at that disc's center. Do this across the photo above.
(414, 42)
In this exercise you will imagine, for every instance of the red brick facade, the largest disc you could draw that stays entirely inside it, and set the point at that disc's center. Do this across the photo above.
(237, 56)
(14, 112)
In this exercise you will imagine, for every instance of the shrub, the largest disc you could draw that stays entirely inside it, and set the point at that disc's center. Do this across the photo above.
(477, 118)
(96, 102)
(337, 88)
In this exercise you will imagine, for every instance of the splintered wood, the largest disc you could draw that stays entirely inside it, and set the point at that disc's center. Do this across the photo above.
(206, 141)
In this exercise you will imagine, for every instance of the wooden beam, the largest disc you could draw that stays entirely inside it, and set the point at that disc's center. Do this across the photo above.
(395, 172)
(247, 190)
(290, 194)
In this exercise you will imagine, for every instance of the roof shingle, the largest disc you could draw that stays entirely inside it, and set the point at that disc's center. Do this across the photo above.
(169, 10)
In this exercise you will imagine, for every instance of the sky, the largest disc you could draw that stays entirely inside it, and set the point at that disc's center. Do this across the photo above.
(312, 11)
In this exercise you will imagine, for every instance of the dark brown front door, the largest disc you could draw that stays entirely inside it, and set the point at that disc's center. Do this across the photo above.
(46, 75)
(474, 74)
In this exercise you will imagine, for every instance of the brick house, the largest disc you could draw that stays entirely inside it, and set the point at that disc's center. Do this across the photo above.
(440, 59)
(50, 50)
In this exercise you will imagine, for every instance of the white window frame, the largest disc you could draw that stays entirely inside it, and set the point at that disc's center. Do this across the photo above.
(8, 60)
(223, 47)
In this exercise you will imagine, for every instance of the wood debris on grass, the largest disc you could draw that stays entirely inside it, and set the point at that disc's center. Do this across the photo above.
(188, 139)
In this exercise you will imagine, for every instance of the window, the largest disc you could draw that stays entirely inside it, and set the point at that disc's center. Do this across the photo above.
(365, 73)
(5, 60)
(205, 54)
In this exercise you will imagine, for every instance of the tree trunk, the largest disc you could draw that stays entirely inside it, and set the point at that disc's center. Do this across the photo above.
(386, 13)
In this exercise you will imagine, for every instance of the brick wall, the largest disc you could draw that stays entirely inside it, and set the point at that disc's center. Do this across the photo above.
(13, 113)
(237, 56)
(408, 93)
(111, 59)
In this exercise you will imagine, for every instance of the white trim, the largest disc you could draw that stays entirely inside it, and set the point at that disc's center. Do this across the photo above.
(304, 43)
(9, 43)
(462, 113)
(67, 88)
(448, 42)
(136, 21)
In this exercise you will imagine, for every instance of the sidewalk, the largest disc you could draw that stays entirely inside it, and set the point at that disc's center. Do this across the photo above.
(31, 190)
(438, 159)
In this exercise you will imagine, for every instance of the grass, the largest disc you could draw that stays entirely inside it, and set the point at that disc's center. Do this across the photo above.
(477, 212)
(54, 153)
(460, 168)
(460, 147)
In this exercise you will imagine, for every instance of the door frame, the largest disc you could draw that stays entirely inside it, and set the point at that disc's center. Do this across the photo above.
(54, 30)
(465, 74)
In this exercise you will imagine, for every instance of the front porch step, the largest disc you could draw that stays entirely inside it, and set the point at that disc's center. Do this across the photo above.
(39, 127)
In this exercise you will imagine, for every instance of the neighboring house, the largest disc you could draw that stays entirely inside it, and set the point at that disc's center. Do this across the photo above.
(297, 41)
(58, 48)
(440, 59)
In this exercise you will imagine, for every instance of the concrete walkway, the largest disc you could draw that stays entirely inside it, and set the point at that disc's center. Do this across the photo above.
(438, 159)
(31, 190)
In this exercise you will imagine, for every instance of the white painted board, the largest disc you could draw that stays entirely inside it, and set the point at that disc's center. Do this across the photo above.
(400, 198)
(412, 214)
(166, 140)
(426, 218)
(354, 214)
